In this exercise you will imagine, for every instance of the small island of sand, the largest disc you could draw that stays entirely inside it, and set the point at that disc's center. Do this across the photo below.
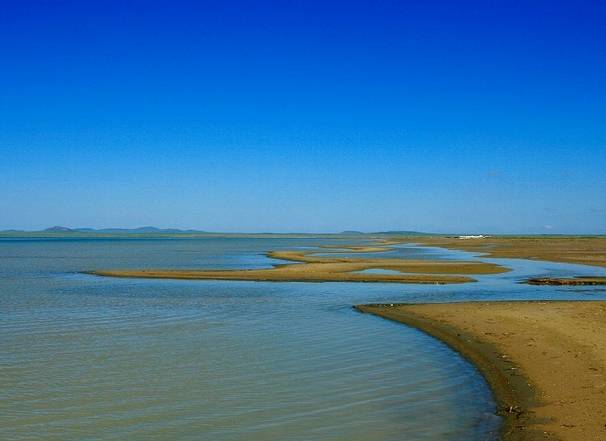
(311, 267)
(566, 281)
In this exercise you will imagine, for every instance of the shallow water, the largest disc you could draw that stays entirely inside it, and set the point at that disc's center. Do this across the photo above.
(397, 251)
(378, 271)
(86, 357)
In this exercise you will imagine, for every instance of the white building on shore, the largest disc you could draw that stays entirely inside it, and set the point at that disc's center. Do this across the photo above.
(473, 236)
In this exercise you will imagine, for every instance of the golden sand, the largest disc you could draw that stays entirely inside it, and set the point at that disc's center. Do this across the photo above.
(313, 268)
(589, 250)
(545, 361)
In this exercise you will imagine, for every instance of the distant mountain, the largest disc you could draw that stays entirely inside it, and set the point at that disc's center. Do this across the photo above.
(58, 229)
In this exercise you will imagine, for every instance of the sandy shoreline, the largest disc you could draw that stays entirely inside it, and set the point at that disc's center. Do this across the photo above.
(545, 361)
(589, 250)
(312, 267)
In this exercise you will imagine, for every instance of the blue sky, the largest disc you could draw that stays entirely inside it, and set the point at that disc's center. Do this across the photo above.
(304, 116)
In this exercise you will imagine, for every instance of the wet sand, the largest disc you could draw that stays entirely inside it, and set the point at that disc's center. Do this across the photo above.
(589, 250)
(545, 361)
(567, 281)
(312, 268)
(323, 272)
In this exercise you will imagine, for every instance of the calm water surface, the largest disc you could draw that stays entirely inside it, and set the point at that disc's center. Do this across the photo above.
(86, 357)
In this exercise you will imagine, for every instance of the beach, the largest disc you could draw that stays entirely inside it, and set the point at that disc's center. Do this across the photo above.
(545, 361)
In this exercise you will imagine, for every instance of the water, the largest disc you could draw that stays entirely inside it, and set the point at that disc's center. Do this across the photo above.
(379, 271)
(86, 357)
(397, 251)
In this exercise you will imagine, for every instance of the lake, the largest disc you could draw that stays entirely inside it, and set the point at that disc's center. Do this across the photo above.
(88, 357)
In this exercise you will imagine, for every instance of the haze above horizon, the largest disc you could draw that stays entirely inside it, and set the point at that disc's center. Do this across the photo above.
(312, 117)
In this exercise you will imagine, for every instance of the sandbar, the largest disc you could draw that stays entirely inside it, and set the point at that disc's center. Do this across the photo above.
(567, 281)
(313, 268)
(545, 361)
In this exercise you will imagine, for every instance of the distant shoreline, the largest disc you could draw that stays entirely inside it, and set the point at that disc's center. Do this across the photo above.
(201, 235)
(147, 232)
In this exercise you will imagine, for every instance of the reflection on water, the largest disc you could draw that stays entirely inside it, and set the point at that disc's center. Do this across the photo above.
(87, 357)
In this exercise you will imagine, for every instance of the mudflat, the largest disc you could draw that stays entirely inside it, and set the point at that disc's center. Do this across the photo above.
(545, 361)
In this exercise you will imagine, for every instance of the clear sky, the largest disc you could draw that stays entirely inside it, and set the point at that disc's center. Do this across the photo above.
(457, 116)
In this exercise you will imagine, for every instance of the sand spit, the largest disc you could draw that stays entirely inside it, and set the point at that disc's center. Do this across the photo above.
(545, 361)
(313, 268)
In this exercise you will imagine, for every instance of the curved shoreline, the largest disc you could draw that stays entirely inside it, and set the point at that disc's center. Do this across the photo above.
(544, 360)
(513, 393)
